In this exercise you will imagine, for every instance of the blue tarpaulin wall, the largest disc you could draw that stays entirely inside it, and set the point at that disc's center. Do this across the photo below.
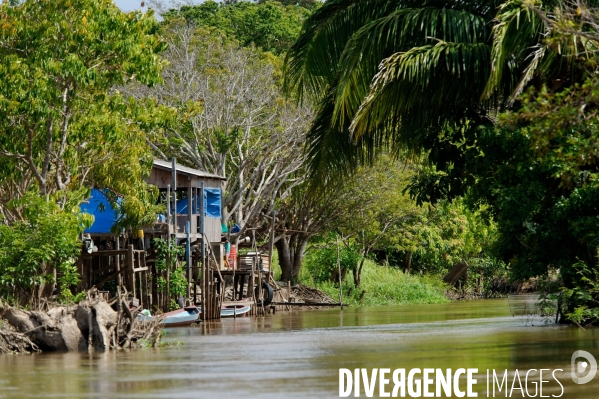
(104, 214)
(182, 207)
(211, 204)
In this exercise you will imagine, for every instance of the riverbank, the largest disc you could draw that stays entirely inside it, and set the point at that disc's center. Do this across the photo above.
(90, 325)
(386, 286)
(383, 285)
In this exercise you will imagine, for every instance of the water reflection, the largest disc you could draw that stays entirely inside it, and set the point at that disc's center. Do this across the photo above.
(299, 354)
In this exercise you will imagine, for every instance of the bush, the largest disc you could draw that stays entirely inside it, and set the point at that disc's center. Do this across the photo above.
(321, 264)
(178, 280)
(45, 242)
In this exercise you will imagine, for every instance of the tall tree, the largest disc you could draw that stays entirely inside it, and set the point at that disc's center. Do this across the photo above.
(301, 214)
(233, 120)
(62, 127)
(65, 129)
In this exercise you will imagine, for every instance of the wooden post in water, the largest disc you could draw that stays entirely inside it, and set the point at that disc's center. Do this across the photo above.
(174, 175)
(166, 298)
(119, 283)
(204, 281)
(251, 283)
(256, 268)
(188, 256)
(339, 270)
(130, 266)
(148, 292)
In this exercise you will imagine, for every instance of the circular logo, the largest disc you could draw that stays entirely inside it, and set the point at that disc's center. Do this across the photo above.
(589, 364)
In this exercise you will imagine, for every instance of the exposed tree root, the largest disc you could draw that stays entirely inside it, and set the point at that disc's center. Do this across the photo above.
(16, 342)
(91, 325)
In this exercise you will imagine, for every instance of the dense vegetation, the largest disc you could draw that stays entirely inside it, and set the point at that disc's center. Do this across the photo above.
(270, 25)
(439, 136)
(64, 129)
(497, 96)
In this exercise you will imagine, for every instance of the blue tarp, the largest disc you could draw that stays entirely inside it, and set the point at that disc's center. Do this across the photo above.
(104, 214)
(211, 204)
(182, 207)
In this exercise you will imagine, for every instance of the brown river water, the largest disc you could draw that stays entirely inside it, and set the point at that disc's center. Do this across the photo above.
(299, 354)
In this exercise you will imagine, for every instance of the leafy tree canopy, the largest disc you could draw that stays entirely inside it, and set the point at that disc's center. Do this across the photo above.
(270, 25)
(64, 126)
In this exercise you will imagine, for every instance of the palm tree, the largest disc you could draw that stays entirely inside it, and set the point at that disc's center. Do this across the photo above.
(418, 75)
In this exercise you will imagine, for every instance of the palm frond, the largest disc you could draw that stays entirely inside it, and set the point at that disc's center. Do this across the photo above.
(400, 31)
(330, 151)
(517, 31)
(311, 62)
(418, 90)
(529, 71)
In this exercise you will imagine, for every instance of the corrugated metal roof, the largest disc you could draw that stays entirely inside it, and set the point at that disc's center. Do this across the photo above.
(167, 165)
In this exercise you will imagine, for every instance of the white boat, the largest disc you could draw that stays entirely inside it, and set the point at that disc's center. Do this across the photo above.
(176, 318)
(235, 310)
(186, 316)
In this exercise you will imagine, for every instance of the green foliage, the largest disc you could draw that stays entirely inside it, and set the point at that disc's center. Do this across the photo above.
(69, 277)
(579, 304)
(374, 216)
(164, 251)
(322, 265)
(398, 75)
(269, 25)
(64, 124)
(434, 58)
(375, 212)
(425, 76)
(177, 279)
(178, 282)
(44, 243)
(562, 127)
(452, 233)
(538, 174)
(484, 271)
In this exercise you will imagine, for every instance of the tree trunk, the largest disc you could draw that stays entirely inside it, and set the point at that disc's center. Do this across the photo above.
(407, 262)
(358, 273)
(285, 263)
(456, 272)
(47, 288)
(291, 251)
(299, 257)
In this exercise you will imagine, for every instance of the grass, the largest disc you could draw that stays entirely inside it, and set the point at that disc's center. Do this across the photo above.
(382, 285)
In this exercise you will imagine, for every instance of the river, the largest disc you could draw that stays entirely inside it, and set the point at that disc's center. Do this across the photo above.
(299, 354)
